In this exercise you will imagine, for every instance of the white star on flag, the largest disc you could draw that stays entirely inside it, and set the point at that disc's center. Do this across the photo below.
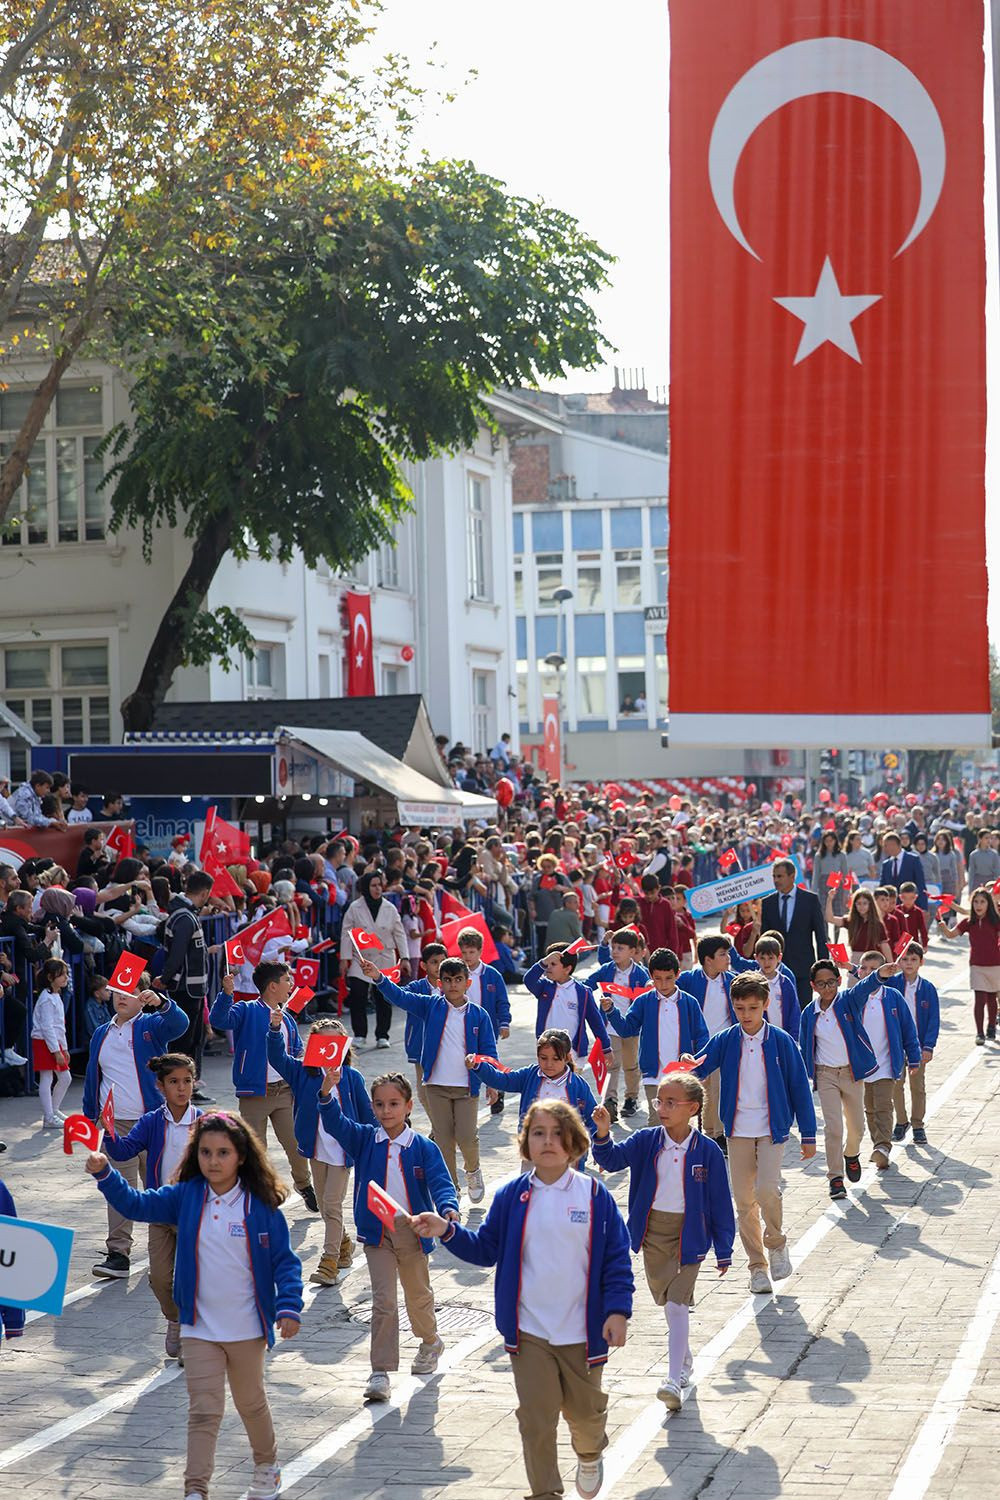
(827, 315)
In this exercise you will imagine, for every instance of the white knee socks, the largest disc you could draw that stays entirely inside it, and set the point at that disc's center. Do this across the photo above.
(678, 1326)
(52, 1091)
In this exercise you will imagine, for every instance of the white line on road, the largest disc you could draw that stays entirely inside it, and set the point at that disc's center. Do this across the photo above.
(86, 1415)
(87, 1291)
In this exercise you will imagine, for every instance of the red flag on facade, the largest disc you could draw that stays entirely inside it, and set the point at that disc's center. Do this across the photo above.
(360, 656)
(551, 748)
(827, 267)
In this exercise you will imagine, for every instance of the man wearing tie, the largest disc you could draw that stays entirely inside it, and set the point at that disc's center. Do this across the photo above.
(898, 864)
(798, 916)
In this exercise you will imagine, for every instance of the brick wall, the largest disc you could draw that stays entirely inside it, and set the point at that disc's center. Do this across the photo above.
(531, 473)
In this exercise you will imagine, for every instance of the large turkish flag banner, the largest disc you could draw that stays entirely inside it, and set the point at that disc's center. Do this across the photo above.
(828, 400)
(360, 657)
(551, 747)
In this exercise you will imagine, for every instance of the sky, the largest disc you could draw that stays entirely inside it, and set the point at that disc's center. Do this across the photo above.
(569, 104)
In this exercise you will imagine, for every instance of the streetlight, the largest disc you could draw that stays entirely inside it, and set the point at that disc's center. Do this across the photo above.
(557, 661)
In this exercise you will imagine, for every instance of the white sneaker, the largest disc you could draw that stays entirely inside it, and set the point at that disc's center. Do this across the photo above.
(476, 1186)
(14, 1059)
(383, 1042)
(670, 1393)
(359, 1042)
(781, 1264)
(52, 1124)
(266, 1482)
(59, 1117)
(686, 1372)
(760, 1282)
(379, 1387)
(589, 1478)
(425, 1361)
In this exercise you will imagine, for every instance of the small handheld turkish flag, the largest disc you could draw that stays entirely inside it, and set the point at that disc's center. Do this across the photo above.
(393, 974)
(299, 999)
(494, 1062)
(678, 1067)
(839, 953)
(108, 1115)
(834, 880)
(363, 940)
(727, 859)
(383, 1205)
(79, 1128)
(235, 957)
(903, 943)
(600, 1068)
(120, 842)
(326, 1049)
(944, 903)
(323, 947)
(581, 946)
(307, 972)
(127, 972)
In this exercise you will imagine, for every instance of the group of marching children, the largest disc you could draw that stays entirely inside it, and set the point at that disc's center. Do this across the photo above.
(729, 1048)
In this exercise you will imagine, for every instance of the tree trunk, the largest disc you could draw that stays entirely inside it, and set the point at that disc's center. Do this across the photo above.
(166, 652)
(17, 462)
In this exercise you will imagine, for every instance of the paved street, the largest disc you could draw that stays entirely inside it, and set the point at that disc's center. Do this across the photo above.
(875, 1370)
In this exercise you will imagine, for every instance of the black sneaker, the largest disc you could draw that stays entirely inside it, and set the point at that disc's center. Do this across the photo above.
(112, 1267)
(200, 1097)
(723, 1144)
(899, 1131)
(496, 1108)
(919, 1135)
(308, 1197)
(837, 1188)
(980, 1041)
(630, 1106)
(852, 1166)
(991, 1033)
(611, 1105)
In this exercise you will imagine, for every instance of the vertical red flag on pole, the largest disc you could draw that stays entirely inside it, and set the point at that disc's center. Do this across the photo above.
(551, 756)
(827, 403)
(360, 657)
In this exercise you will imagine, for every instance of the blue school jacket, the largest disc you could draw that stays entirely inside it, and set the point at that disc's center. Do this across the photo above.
(642, 1020)
(695, 982)
(528, 1081)
(152, 1033)
(433, 1009)
(276, 1269)
(428, 1182)
(788, 1091)
(306, 1084)
(708, 1203)
(499, 1240)
(147, 1134)
(904, 1044)
(11, 1318)
(589, 1011)
(493, 997)
(606, 974)
(740, 965)
(413, 1033)
(791, 1012)
(848, 1010)
(928, 1009)
(250, 1021)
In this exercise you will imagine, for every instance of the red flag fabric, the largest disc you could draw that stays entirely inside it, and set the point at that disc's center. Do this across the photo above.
(120, 842)
(727, 859)
(599, 1068)
(363, 940)
(902, 944)
(551, 747)
(452, 907)
(324, 946)
(222, 842)
(451, 930)
(108, 1115)
(827, 264)
(383, 1205)
(494, 1062)
(79, 1128)
(306, 971)
(838, 952)
(223, 883)
(360, 657)
(127, 973)
(299, 999)
(254, 937)
(944, 903)
(393, 974)
(234, 951)
(581, 946)
(325, 1049)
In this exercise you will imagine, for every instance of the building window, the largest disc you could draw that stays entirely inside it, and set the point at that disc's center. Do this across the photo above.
(482, 704)
(591, 687)
(392, 681)
(519, 589)
(265, 672)
(589, 588)
(59, 498)
(631, 686)
(628, 578)
(324, 675)
(61, 691)
(522, 691)
(548, 577)
(387, 565)
(478, 523)
(660, 575)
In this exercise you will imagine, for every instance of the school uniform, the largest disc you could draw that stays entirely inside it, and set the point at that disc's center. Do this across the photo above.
(921, 999)
(782, 1008)
(567, 1007)
(264, 1096)
(531, 1084)
(118, 1060)
(712, 996)
(563, 1268)
(838, 1056)
(413, 1034)
(666, 1027)
(234, 1276)
(451, 1032)
(160, 1141)
(329, 1163)
(893, 1035)
(913, 921)
(740, 965)
(11, 1318)
(413, 1171)
(762, 1086)
(624, 1049)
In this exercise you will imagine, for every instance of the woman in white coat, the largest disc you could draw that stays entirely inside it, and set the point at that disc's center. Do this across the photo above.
(373, 914)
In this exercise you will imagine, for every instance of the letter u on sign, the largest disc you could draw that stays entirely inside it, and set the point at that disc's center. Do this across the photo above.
(34, 1264)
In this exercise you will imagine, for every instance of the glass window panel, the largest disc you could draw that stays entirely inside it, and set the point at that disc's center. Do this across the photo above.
(589, 589)
(93, 499)
(14, 408)
(658, 526)
(18, 761)
(589, 637)
(40, 718)
(263, 666)
(100, 721)
(68, 489)
(79, 406)
(585, 528)
(626, 528)
(83, 665)
(630, 635)
(549, 577)
(628, 579)
(480, 689)
(519, 589)
(38, 495)
(72, 721)
(547, 530)
(521, 636)
(631, 684)
(522, 690)
(10, 528)
(547, 635)
(660, 575)
(27, 667)
(518, 533)
(591, 687)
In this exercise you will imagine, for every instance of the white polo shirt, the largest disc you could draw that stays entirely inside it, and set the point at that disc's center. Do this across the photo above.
(910, 996)
(175, 1140)
(669, 1195)
(225, 1308)
(449, 1070)
(874, 1024)
(327, 1147)
(475, 989)
(716, 1007)
(752, 1118)
(564, 1012)
(554, 1088)
(395, 1182)
(668, 1034)
(555, 1256)
(116, 1061)
(829, 1047)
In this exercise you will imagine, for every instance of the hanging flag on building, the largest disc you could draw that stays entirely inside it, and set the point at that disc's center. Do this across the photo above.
(360, 656)
(551, 757)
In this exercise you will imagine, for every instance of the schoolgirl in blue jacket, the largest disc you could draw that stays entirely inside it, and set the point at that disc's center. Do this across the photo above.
(11, 1318)
(161, 1134)
(249, 1021)
(549, 980)
(152, 1032)
(788, 1093)
(553, 1077)
(708, 1204)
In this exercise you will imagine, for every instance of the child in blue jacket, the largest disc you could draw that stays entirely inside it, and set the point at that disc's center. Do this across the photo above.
(838, 1057)
(554, 1077)
(564, 1004)
(328, 1161)
(667, 1020)
(678, 1204)
(563, 1291)
(160, 1137)
(412, 1170)
(624, 972)
(890, 1028)
(488, 988)
(236, 1276)
(413, 1033)
(922, 1002)
(11, 1318)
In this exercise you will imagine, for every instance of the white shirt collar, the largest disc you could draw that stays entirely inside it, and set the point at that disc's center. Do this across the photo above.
(187, 1118)
(231, 1198)
(676, 1145)
(562, 1183)
(758, 1036)
(402, 1140)
(561, 1079)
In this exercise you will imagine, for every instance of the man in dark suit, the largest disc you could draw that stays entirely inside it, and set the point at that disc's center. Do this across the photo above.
(798, 916)
(898, 864)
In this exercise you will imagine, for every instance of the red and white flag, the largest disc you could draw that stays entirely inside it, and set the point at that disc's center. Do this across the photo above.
(828, 292)
(838, 952)
(299, 999)
(222, 842)
(306, 971)
(599, 1068)
(108, 1115)
(128, 971)
(383, 1205)
(79, 1128)
(325, 1049)
(365, 941)
(121, 842)
(727, 859)
(551, 748)
(223, 883)
(360, 656)
(254, 937)
(235, 957)
(450, 934)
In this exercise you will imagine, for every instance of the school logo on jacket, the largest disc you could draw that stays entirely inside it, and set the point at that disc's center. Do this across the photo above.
(699, 1173)
(264, 1239)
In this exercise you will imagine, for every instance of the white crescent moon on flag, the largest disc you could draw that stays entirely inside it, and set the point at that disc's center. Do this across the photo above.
(360, 624)
(551, 736)
(826, 65)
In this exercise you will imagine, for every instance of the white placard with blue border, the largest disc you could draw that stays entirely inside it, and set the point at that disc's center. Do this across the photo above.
(747, 885)
(34, 1264)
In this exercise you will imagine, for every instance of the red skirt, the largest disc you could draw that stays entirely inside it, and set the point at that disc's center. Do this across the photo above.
(42, 1059)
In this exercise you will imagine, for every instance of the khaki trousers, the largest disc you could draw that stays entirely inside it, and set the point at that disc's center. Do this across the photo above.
(207, 1366)
(454, 1117)
(755, 1169)
(162, 1248)
(842, 1097)
(400, 1254)
(277, 1106)
(878, 1113)
(625, 1051)
(418, 1073)
(918, 1098)
(549, 1379)
(119, 1240)
(330, 1184)
(710, 1123)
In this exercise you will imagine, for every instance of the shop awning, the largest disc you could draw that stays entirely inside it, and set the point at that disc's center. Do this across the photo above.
(420, 801)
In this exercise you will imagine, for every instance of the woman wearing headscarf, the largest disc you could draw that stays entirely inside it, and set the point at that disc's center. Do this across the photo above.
(371, 913)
